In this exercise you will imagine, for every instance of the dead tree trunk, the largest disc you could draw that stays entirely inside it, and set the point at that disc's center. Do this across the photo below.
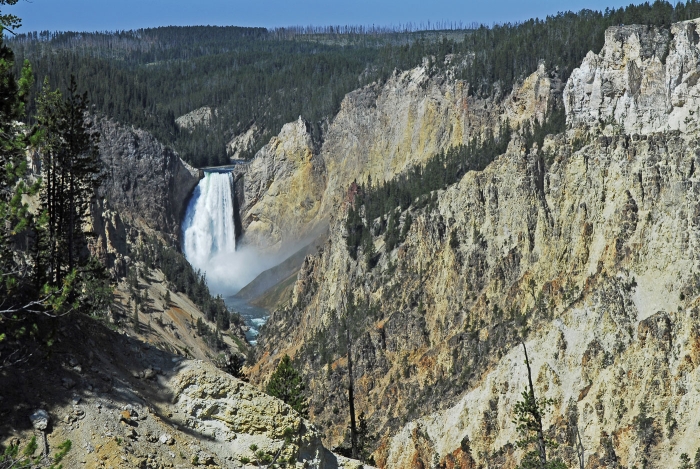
(535, 412)
(351, 392)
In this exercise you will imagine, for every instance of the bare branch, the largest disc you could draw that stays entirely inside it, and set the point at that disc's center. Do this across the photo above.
(14, 359)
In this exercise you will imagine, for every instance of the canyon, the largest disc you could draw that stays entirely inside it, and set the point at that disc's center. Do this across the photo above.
(585, 248)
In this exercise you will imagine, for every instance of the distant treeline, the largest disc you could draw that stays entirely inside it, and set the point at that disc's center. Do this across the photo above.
(149, 77)
(291, 32)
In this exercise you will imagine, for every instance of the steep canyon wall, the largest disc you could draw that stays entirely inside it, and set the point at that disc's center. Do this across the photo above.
(145, 186)
(293, 185)
(587, 247)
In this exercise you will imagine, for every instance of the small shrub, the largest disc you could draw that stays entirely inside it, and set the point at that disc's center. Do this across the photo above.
(288, 434)
(685, 462)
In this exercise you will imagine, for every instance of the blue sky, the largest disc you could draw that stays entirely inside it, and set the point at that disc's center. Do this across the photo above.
(98, 15)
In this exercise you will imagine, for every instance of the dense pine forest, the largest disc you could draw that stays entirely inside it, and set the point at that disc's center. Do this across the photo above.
(149, 77)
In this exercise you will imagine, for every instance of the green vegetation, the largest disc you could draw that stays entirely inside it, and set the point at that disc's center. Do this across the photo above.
(246, 74)
(286, 384)
(685, 462)
(365, 440)
(211, 336)
(230, 363)
(183, 278)
(12, 458)
(647, 432)
(70, 177)
(149, 77)
(528, 417)
(45, 270)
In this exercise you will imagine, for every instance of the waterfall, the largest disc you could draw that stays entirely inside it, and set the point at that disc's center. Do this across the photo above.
(209, 244)
(209, 230)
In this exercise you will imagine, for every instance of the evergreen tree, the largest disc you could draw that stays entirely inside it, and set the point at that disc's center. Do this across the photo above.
(391, 236)
(9, 22)
(364, 439)
(70, 170)
(286, 384)
(135, 318)
(528, 417)
(685, 462)
(15, 288)
(348, 321)
(406, 226)
(70, 177)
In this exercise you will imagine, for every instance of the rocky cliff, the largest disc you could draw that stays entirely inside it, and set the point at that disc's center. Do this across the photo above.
(644, 80)
(201, 116)
(282, 187)
(587, 248)
(123, 403)
(144, 180)
(145, 186)
(294, 184)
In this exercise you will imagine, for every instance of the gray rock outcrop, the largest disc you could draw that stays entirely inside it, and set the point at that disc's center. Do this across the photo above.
(145, 181)
(201, 116)
(644, 80)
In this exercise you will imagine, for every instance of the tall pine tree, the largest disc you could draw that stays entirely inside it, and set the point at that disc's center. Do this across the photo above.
(70, 177)
(15, 289)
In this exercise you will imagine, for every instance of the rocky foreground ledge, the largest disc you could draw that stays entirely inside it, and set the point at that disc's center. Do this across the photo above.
(126, 404)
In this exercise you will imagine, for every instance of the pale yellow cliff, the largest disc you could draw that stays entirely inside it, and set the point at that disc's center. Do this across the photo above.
(587, 247)
(293, 185)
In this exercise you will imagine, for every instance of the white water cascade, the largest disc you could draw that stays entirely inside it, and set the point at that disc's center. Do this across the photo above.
(209, 230)
(209, 244)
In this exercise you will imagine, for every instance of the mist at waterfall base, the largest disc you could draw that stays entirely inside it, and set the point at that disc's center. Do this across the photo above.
(209, 244)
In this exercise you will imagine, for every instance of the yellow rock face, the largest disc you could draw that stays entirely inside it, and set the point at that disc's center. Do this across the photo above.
(291, 188)
(282, 188)
(590, 245)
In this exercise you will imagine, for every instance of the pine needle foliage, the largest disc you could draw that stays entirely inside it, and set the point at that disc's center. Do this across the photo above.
(286, 383)
(529, 412)
(12, 458)
(41, 276)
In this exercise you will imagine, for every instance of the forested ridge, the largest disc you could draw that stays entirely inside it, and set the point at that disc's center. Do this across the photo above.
(149, 77)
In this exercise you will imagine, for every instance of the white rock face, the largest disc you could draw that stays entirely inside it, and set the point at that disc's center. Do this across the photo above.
(201, 116)
(40, 419)
(235, 415)
(242, 143)
(642, 81)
